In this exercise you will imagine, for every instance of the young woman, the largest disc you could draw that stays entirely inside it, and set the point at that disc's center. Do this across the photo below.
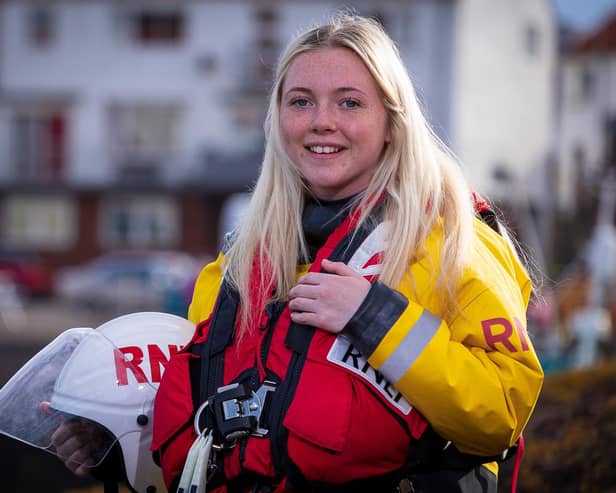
(363, 327)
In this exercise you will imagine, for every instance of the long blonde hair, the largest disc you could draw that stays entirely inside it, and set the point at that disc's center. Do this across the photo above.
(422, 183)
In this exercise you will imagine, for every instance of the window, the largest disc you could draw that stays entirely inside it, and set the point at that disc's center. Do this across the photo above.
(267, 46)
(579, 163)
(501, 172)
(266, 14)
(159, 27)
(532, 40)
(143, 136)
(610, 142)
(39, 222)
(207, 64)
(580, 175)
(587, 84)
(40, 26)
(39, 142)
(129, 221)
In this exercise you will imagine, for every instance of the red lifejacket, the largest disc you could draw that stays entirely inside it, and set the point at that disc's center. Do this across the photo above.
(331, 421)
(332, 418)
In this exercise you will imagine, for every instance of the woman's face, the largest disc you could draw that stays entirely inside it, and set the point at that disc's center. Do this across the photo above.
(333, 122)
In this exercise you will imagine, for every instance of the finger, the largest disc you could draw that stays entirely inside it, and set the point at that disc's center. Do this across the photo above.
(66, 431)
(321, 278)
(306, 318)
(61, 435)
(45, 408)
(339, 268)
(69, 447)
(83, 470)
(312, 278)
(80, 462)
(310, 291)
(303, 305)
(76, 457)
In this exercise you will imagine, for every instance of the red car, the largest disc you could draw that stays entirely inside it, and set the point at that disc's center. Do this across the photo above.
(27, 272)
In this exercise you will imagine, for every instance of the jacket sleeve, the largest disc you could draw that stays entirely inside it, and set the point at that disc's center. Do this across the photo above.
(476, 377)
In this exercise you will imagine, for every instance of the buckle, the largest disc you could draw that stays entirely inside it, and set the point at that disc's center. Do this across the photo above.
(257, 405)
(237, 412)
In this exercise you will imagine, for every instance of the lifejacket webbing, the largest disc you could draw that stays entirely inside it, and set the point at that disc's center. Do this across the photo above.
(211, 375)
(211, 352)
(339, 247)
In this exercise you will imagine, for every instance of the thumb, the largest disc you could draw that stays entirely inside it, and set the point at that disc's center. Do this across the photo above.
(44, 408)
(339, 268)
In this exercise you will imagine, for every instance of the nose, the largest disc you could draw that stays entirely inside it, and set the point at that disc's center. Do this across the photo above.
(324, 119)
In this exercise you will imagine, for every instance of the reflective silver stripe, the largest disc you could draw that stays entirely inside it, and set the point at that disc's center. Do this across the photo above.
(411, 347)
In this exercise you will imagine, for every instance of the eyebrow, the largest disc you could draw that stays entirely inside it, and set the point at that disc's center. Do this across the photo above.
(338, 90)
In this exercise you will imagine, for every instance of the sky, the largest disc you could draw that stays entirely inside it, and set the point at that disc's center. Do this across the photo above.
(583, 15)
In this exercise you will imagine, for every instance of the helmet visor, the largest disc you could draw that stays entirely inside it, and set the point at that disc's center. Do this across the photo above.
(69, 400)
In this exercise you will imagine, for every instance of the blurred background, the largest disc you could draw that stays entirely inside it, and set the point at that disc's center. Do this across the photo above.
(131, 132)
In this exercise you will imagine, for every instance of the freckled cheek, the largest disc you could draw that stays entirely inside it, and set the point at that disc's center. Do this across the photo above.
(361, 133)
(293, 150)
(287, 142)
(292, 133)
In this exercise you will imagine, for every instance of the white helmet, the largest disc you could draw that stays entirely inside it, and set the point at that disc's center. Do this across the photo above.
(108, 376)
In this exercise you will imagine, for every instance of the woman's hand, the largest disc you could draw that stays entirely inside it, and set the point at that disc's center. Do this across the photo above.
(75, 442)
(328, 300)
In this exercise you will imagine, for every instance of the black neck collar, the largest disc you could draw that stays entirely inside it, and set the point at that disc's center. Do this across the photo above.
(320, 218)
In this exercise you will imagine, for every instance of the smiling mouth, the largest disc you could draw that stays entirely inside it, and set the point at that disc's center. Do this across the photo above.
(324, 149)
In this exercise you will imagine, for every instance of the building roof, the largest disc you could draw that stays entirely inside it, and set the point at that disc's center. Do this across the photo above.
(601, 40)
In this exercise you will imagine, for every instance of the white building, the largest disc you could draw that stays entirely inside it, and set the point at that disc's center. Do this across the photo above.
(502, 102)
(587, 143)
(127, 123)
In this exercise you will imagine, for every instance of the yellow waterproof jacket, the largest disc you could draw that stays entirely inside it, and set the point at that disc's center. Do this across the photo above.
(473, 374)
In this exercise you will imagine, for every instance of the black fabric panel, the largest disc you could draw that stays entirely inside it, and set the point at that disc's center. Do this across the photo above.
(476, 480)
(375, 317)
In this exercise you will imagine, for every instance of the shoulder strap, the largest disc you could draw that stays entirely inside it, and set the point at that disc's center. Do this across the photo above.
(485, 212)
(207, 371)
(339, 247)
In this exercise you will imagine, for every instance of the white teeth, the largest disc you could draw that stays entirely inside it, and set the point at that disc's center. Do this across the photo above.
(324, 149)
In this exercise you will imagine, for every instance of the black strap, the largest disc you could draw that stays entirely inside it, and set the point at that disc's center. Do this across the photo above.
(432, 453)
(488, 216)
(299, 338)
(207, 371)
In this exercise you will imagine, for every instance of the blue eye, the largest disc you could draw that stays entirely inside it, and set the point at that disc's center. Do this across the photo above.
(301, 102)
(350, 103)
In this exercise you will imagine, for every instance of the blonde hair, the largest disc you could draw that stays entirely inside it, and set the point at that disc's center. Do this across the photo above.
(422, 183)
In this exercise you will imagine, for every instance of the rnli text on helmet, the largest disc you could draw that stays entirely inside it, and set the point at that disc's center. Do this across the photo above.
(130, 358)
